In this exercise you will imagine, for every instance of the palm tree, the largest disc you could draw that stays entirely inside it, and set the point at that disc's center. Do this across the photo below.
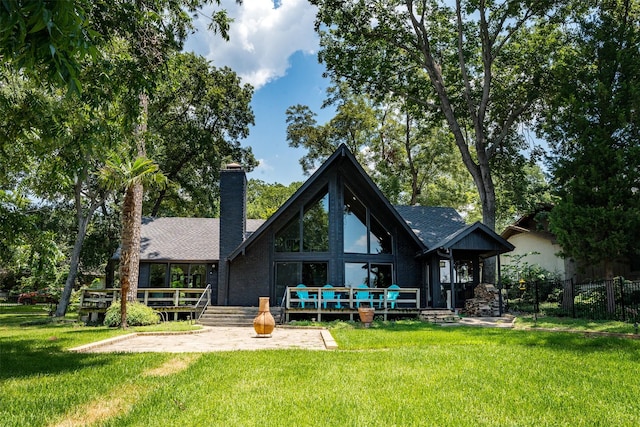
(131, 176)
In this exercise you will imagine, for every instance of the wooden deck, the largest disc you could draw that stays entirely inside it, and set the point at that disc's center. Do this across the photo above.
(166, 301)
(343, 302)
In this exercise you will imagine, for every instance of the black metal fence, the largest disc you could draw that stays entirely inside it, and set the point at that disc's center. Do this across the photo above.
(615, 299)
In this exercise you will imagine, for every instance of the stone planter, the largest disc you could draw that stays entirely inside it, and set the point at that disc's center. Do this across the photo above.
(264, 323)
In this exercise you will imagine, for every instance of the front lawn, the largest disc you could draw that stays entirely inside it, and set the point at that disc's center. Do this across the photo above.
(402, 374)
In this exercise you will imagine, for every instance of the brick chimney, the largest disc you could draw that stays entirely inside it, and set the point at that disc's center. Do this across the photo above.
(233, 220)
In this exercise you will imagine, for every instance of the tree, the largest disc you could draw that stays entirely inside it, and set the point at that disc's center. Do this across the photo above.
(129, 43)
(264, 199)
(49, 35)
(410, 156)
(54, 144)
(56, 36)
(132, 176)
(481, 64)
(593, 124)
(197, 116)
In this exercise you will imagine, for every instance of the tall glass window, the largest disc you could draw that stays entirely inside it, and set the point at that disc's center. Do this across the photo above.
(288, 239)
(381, 275)
(157, 275)
(179, 274)
(187, 276)
(315, 226)
(379, 238)
(355, 224)
(371, 274)
(314, 234)
(291, 274)
(197, 275)
(287, 274)
(356, 273)
(363, 234)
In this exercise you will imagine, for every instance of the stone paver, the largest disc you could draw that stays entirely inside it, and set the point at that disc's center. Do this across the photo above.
(487, 322)
(214, 339)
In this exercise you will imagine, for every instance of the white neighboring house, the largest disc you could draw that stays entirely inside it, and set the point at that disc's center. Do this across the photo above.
(530, 234)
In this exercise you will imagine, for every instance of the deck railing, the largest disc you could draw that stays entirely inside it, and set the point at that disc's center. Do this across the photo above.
(153, 297)
(202, 303)
(319, 300)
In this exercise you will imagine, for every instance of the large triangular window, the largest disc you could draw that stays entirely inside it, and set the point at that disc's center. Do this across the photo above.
(308, 230)
(363, 233)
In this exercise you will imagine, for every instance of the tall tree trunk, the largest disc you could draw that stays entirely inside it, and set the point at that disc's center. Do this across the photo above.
(74, 262)
(131, 223)
(415, 188)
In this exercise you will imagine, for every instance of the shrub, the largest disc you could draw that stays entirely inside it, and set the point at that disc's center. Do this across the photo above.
(138, 314)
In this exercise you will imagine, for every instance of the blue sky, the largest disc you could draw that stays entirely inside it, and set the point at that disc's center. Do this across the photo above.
(274, 48)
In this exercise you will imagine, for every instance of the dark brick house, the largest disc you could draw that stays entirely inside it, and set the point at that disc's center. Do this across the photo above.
(338, 229)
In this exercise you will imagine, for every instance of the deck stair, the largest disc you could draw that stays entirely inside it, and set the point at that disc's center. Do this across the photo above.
(231, 316)
(439, 316)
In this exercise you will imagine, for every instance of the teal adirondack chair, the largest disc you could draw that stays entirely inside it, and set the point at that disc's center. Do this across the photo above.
(329, 296)
(304, 297)
(363, 296)
(392, 296)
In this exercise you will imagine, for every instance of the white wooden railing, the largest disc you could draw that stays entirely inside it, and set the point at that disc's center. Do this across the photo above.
(318, 300)
(153, 297)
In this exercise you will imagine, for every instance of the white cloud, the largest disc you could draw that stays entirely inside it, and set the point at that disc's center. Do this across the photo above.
(262, 168)
(262, 38)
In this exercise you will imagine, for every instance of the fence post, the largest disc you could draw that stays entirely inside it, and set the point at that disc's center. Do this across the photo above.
(611, 297)
(567, 297)
(536, 307)
(622, 308)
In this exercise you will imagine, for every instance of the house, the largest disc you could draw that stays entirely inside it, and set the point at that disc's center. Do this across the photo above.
(338, 229)
(535, 244)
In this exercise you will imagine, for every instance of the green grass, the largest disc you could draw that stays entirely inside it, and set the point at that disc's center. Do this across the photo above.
(403, 374)
(570, 324)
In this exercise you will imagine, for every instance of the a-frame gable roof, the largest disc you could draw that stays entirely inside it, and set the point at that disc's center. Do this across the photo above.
(349, 166)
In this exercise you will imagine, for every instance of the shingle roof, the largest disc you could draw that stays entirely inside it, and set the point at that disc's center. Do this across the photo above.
(432, 224)
(183, 239)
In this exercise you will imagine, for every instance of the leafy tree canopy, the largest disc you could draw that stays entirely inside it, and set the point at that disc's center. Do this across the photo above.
(593, 123)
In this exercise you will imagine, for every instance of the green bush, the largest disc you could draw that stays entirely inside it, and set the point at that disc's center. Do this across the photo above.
(138, 314)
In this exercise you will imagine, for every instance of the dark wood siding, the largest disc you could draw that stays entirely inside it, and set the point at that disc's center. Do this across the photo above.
(249, 276)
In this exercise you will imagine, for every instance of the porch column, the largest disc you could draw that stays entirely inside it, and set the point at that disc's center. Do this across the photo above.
(453, 280)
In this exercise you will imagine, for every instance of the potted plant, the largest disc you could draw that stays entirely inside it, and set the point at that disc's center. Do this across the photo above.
(366, 314)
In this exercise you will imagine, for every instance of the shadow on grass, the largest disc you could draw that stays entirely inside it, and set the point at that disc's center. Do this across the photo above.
(32, 357)
(417, 334)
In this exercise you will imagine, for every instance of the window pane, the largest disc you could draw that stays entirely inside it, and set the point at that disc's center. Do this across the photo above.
(288, 239)
(198, 275)
(355, 274)
(381, 275)
(157, 276)
(179, 274)
(287, 274)
(445, 272)
(355, 224)
(380, 239)
(314, 274)
(316, 226)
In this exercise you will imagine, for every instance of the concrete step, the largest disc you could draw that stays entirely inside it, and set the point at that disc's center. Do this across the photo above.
(231, 316)
(439, 316)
